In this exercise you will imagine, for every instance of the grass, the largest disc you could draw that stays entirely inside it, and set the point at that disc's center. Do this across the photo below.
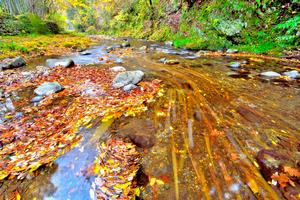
(34, 45)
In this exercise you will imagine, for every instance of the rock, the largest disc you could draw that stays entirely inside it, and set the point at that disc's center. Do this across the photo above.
(48, 88)
(93, 91)
(143, 48)
(117, 69)
(234, 64)
(129, 87)
(119, 60)
(128, 77)
(230, 51)
(154, 45)
(85, 53)
(162, 60)
(238, 75)
(13, 63)
(269, 75)
(65, 63)
(171, 62)
(9, 104)
(140, 131)
(36, 99)
(113, 47)
(110, 48)
(18, 115)
(270, 162)
(1, 93)
(169, 43)
(117, 46)
(142, 140)
(292, 74)
(125, 44)
(192, 57)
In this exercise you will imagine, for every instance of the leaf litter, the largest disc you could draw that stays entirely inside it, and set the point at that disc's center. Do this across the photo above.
(49, 129)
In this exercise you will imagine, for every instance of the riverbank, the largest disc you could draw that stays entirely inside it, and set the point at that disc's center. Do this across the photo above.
(31, 46)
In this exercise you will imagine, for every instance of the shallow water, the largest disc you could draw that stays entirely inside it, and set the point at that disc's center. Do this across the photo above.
(207, 127)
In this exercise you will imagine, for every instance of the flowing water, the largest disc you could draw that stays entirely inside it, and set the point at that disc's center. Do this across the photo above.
(207, 128)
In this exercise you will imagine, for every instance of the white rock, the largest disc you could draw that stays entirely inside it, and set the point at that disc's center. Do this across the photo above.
(117, 69)
(270, 74)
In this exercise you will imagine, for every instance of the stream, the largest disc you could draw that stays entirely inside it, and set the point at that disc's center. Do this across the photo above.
(207, 128)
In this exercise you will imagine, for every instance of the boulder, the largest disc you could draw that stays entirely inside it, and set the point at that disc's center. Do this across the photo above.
(48, 88)
(128, 77)
(67, 63)
(13, 63)
(117, 69)
(269, 75)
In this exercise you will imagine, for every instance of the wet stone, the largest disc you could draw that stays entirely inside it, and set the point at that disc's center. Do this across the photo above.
(292, 74)
(85, 53)
(48, 88)
(36, 99)
(271, 161)
(171, 62)
(118, 69)
(125, 44)
(234, 64)
(230, 51)
(12, 63)
(270, 75)
(65, 63)
(129, 87)
(128, 77)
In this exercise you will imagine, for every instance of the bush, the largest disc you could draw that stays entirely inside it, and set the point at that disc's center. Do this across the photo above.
(52, 27)
(91, 30)
(29, 24)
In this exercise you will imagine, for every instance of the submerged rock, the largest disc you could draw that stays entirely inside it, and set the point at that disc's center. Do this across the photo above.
(128, 77)
(269, 75)
(13, 63)
(48, 88)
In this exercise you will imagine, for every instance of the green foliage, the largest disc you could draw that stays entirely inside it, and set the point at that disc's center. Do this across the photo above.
(290, 31)
(29, 24)
(12, 46)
